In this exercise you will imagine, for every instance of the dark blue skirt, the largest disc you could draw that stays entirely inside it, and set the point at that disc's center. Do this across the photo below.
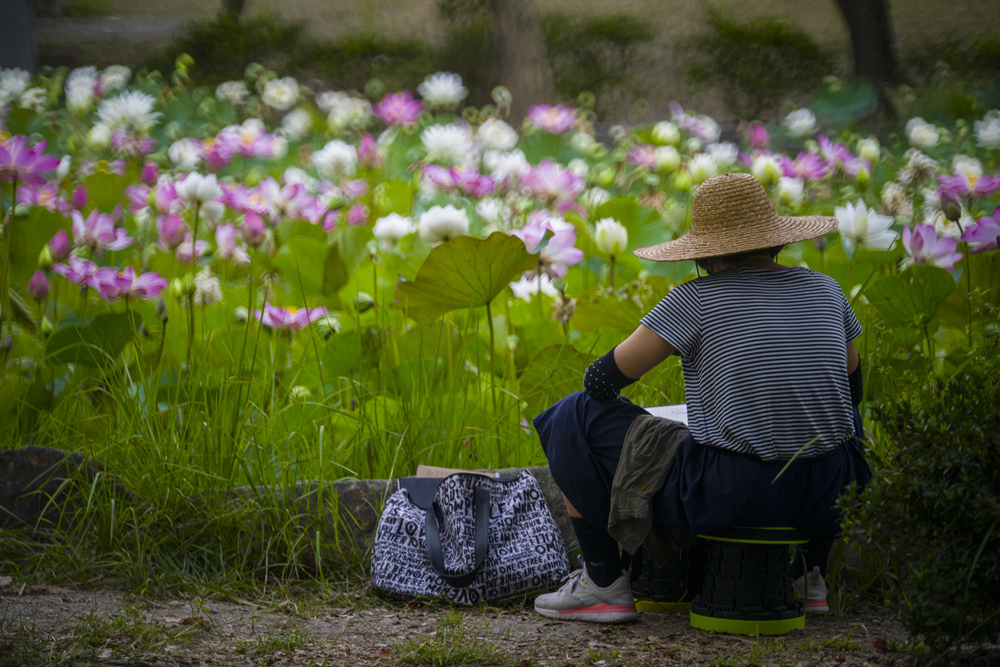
(707, 488)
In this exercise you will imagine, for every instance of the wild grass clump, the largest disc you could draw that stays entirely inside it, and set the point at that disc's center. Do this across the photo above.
(933, 515)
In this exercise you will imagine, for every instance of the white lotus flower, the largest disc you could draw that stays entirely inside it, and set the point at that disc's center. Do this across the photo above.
(869, 149)
(443, 90)
(443, 223)
(496, 135)
(199, 189)
(582, 142)
(988, 130)
(790, 192)
(701, 168)
(494, 211)
(34, 99)
(448, 144)
(343, 111)
(296, 124)
(81, 88)
(115, 77)
(667, 158)
(967, 166)
(611, 236)
(800, 123)
(861, 226)
(506, 166)
(922, 134)
(130, 111)
(281, 94)
(390, 228)
(666, 133)
(767, 169)
(525, 288)
(208, 288)
(594, 197)
(99, 136)
(186, 153)
(336, 160)
(232, 92)
(724, 153)
(13, 83)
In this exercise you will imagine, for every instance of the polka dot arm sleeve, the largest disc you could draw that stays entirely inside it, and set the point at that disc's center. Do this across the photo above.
(603, 380)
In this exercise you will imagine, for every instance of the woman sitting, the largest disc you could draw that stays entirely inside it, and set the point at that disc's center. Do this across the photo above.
(771, 377)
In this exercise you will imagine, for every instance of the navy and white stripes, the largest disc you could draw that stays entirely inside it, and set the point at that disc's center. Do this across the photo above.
(764, 355)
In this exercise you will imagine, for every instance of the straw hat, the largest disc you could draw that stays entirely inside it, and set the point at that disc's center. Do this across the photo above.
(732, 214)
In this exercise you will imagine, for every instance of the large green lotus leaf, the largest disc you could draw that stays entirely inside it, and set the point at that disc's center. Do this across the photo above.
(465, 272)
(311, 267)
(96, 343)
(596, 311)
(911, 297)
(105, 190)
(393, 197)
(553, 373)
(27, 238)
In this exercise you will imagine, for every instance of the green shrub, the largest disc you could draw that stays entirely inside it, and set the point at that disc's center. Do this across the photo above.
(933, 511)
(957, 75)
(756, 65)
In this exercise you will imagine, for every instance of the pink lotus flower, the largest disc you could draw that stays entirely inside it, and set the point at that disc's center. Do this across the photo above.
(78, 271)
(172, 231)
(558, 254)
(924, 247)
(254, 229)
(756, 135)
(113, 284)
(187, 250)
(47, 196)
(284, 202)
(98, 231)
(985, 233)
(807, 166)
(227, 247)
(557, 119)
(368, 153)
(292, 319)
(551, 183)
(20, 162)
(969, 185)
(643, 156)
(398, 109)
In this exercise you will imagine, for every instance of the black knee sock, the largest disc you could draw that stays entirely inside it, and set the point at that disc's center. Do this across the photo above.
(813, 554)
(600, 553)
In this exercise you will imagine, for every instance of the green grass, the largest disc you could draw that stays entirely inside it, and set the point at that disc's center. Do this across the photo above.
(457, 640)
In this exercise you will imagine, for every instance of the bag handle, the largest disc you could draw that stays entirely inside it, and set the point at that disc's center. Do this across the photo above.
(482, 517)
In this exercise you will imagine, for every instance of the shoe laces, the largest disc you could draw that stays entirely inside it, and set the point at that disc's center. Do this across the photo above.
(572, 580)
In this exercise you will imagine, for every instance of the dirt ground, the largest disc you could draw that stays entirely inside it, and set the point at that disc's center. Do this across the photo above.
(53, 625)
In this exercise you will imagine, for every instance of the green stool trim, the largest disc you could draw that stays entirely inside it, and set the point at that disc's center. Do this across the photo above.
(740, 627)
(766, 535)
(663, 607)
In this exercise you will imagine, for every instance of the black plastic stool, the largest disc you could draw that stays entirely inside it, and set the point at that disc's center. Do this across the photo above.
(671, 587)
(748, 587)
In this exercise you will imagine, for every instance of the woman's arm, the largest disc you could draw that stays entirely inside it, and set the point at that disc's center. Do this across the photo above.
(641, 352)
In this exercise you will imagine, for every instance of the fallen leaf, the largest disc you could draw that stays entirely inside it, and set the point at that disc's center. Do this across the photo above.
(880, 645)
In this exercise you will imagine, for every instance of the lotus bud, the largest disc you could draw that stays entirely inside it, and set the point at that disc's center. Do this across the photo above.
(21, 211)
(59, 245)
(150, 174)
(328, 325)
(683, 181)
(604, 176)
(161, 311)
(47, 327)
(38, 286)
(864, 178)
(368, 155)
(363, 302)
(611, 237)
(870, 149)
(253, 230)
(241, 315)
(950, 206)
(45, 258)
(298, 393)
(80, 196)
(666, 133)
(667, 159)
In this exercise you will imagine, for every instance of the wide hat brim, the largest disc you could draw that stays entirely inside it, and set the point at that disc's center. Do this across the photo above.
(732, 214)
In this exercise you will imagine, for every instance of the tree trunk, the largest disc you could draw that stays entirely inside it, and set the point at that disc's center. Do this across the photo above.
(233, 8)
(873, 45)
(17, 44)
(522, 63)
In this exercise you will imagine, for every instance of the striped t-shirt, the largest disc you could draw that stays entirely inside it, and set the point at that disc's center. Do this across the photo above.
(764, 355)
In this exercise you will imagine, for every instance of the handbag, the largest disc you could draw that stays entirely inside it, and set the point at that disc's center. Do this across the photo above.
(467, 538)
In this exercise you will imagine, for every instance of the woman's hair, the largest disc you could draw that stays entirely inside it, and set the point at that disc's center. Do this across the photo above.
(707, 263)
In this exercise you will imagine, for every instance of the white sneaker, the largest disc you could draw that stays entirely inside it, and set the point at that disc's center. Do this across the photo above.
(580, 599)
(810, 589)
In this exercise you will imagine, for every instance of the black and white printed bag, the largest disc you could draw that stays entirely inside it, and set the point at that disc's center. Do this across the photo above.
(479, 539)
